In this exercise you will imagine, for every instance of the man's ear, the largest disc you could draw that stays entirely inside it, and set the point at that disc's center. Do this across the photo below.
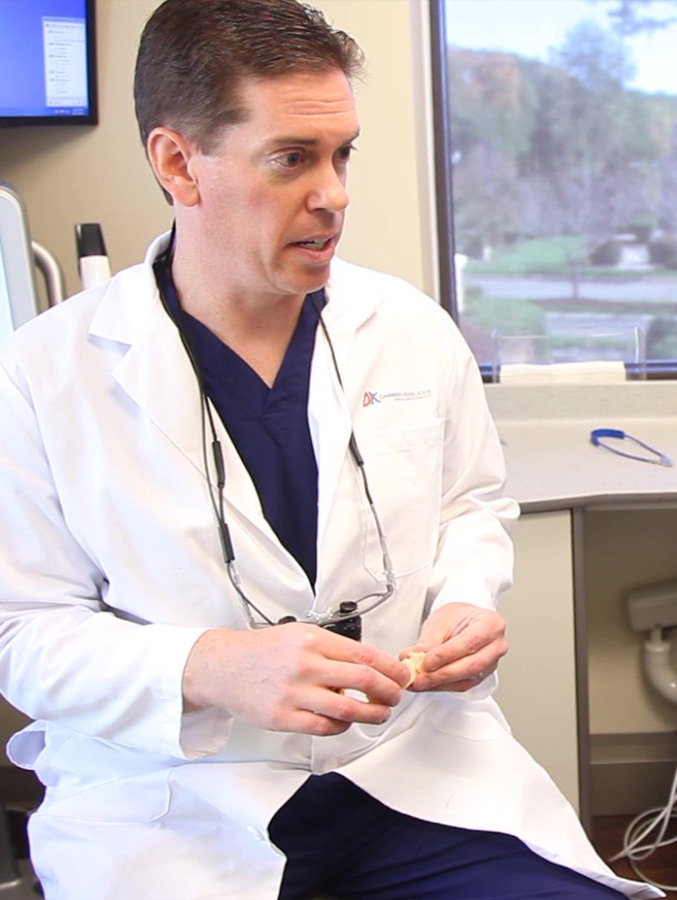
(169, 154)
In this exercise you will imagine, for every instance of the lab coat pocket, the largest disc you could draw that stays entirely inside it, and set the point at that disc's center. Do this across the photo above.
(70, 778)
(144, 798)
(404, 469)
(473, 721)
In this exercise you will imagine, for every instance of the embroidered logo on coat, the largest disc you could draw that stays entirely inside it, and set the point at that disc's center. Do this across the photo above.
(371, 397)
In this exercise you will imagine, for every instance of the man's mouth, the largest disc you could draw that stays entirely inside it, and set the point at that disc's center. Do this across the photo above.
(315, 244)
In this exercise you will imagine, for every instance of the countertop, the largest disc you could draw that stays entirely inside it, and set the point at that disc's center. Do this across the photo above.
(551, 462)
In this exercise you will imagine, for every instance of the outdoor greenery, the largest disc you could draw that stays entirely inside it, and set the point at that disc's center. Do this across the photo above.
(562, 148)
(493, 313)
(560, 256)
(536, 256)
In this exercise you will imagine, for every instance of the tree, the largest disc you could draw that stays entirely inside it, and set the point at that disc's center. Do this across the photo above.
(492, 114)
(563, 147)
(586, 135)
(629, 16)
(599, 60)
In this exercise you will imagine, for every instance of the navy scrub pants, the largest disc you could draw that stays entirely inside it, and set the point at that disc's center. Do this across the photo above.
(342, 843)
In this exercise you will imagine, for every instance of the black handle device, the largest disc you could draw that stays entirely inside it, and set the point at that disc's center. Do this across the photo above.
(349, 626)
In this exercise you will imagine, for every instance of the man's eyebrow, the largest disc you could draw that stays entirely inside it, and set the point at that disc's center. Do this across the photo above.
(296, 141)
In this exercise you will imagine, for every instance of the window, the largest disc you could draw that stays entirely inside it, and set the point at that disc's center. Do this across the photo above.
(556, 158)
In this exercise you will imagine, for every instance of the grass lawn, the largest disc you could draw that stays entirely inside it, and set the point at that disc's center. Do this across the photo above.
(494, 314)
(544, 256)
(555, 256)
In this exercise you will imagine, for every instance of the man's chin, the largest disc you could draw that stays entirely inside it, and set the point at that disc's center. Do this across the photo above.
(314, 279)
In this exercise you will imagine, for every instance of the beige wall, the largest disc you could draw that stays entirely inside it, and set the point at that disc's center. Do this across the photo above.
(83, 174)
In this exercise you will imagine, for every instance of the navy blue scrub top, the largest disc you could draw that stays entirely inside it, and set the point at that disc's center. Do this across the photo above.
(268, 426)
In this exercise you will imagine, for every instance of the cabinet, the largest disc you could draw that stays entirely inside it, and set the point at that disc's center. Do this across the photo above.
(537, 679)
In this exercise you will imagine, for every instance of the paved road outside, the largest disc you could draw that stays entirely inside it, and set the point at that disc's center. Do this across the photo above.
(631, 291)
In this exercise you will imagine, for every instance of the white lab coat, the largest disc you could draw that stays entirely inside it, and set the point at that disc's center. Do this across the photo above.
(112, 569)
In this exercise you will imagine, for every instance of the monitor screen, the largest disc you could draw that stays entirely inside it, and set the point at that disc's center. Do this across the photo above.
(18, 297)
(47, 62)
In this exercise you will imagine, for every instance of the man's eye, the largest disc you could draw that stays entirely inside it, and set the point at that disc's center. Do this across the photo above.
(290, 160)
(346, 152)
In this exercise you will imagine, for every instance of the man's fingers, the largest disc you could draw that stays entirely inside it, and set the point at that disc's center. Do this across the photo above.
(365, 680)
(344, 707)
(343, 649)
(460, 675)
(316, 724)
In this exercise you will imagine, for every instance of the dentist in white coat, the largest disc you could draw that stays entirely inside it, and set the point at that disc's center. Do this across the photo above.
(192, 748)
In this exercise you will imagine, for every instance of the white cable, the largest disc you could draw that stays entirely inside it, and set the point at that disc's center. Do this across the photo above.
(639, 829)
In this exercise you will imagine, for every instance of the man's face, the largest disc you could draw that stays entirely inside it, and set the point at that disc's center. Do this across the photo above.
(273, 193)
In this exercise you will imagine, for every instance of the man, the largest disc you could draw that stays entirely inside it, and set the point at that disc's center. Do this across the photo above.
(204, 459)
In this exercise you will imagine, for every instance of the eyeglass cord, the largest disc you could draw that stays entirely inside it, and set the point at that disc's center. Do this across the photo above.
(347, 610)
(657, 457)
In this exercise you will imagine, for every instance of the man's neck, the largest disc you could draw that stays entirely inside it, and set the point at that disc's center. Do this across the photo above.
(257, 328)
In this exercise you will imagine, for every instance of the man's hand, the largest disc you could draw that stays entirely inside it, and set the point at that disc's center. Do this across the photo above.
(291, 678)
(462, 645)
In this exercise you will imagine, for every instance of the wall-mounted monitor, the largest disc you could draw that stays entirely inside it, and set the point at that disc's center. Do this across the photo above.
(48, 62)
(18, 296)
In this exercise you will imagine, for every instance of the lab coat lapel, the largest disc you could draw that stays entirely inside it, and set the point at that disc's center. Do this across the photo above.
(157, 375)
(331, 393)
(330, 422)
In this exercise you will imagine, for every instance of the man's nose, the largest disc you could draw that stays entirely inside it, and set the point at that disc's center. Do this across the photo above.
(330, 192)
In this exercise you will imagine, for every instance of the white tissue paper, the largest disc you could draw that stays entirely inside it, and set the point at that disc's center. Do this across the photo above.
(595, 372)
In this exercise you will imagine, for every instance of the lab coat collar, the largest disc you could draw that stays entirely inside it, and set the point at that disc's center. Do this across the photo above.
(156, 373)
(349, 304)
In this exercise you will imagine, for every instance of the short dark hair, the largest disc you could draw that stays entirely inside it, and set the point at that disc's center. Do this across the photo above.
(194, 53)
